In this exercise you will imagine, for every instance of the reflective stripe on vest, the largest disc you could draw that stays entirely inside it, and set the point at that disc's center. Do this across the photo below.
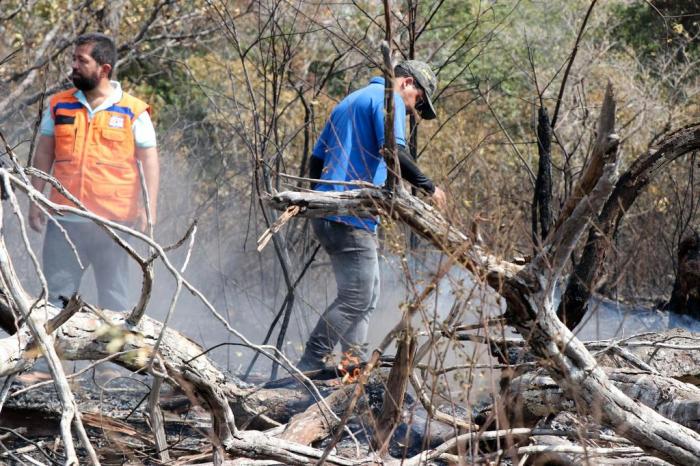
(95, 160)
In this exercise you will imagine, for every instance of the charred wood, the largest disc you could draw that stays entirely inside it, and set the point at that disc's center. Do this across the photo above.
(581, 283)
(685, 297)
(542, 199)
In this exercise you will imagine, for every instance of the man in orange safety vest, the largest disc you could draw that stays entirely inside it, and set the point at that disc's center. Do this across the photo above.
(92, 136)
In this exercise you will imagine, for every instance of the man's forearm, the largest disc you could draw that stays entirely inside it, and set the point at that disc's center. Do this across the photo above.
(411, 173)
(315, 169)
(151, 173)
(43, 160)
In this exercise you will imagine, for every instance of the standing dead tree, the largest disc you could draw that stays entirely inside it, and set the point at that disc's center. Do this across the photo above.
(684, 297)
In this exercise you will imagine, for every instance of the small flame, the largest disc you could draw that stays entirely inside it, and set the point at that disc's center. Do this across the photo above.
(346, 361)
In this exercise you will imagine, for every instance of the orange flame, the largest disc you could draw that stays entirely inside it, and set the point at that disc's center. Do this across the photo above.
(347, 376)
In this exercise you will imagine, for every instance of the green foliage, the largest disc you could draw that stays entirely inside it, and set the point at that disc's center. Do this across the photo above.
(662, 28)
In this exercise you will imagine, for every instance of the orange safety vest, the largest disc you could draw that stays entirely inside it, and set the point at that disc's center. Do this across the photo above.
(95, 160)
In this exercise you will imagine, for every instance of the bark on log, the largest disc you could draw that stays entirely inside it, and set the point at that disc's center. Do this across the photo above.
(400, 205)
(535, 395)
(551, 457)
(83, 337)
(254, 444)
(673, 353)
(314, 424)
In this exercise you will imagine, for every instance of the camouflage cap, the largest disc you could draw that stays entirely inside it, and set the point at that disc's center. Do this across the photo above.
(421, 72)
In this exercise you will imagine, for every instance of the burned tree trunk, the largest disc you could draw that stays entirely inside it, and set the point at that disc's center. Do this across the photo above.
(542, 199)
(396, 389)
(685, 297)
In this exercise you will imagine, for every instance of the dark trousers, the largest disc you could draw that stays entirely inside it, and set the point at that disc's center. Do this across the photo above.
(96, 249)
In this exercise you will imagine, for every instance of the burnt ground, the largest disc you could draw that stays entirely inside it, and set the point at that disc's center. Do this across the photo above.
(113, 403)
(113, 410)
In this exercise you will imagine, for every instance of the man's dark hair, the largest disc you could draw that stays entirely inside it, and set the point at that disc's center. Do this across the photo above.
(104, 51)
(400, 72)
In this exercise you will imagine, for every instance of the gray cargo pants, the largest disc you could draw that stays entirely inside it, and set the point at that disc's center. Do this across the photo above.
(109, 263)
(353, 254)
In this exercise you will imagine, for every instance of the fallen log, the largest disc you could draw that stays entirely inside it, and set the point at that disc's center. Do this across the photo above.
(90, 336)
(314, 424)
(533, 396)
(222, 395)
(672, 353)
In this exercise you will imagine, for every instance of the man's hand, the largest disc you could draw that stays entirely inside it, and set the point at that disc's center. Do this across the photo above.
(439, 198)
(37, 218)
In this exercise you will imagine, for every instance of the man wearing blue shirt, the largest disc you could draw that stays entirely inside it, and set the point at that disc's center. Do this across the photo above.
(347, 150)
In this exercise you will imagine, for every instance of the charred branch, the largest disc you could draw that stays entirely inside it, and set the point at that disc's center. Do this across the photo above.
(542, 199)
(580, 286)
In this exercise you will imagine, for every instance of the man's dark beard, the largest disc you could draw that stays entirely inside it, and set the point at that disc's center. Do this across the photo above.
(84, 83)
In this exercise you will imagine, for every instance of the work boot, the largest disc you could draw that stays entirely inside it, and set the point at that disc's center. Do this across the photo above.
(310, 363)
